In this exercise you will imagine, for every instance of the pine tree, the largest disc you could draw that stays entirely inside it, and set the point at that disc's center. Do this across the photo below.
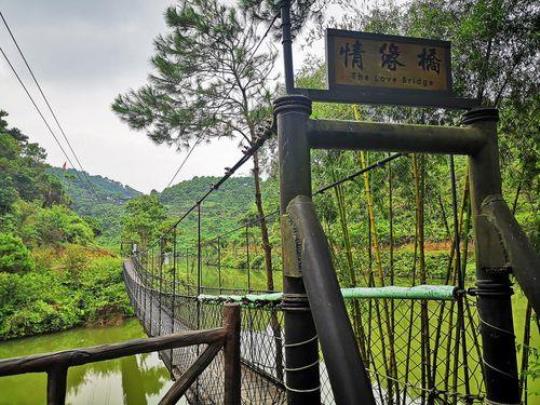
(211, 80)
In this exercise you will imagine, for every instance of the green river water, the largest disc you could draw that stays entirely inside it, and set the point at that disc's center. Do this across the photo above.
(137, 380)
(140, 379)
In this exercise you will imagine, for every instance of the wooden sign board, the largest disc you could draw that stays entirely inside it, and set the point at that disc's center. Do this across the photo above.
(392, 65)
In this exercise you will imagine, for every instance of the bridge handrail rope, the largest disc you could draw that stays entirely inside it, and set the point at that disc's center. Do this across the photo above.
(418, 292)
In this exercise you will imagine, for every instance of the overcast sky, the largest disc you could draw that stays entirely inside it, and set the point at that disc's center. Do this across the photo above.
(84, 53)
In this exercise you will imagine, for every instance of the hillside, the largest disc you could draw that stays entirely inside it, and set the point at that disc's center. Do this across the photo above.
(232, 202)
(107, 211)
(229, 203)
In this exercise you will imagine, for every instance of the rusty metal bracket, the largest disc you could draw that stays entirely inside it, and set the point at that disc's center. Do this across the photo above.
(292, 248)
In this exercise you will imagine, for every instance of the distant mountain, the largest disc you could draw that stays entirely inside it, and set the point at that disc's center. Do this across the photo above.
(105, 207)
(232, 203)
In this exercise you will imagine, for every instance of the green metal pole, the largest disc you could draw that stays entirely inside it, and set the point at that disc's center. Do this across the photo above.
(301, 344)
(492, 272)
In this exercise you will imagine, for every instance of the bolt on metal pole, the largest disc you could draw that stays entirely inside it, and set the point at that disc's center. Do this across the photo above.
(493, 287)
(301, 344)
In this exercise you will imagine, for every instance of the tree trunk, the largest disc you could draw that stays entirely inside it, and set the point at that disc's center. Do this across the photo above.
(267, 248)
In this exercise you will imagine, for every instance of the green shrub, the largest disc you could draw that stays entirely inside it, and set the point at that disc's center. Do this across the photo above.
(75, 261)
(14, 256)
(47, 300)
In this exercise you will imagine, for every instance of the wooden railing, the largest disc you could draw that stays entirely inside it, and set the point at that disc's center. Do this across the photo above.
(56, 365)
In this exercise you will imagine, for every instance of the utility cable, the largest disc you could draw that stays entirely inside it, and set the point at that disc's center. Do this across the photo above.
(38, 110)
(46, 100)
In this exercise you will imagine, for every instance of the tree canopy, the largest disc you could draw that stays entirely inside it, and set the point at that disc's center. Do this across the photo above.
(210, 77)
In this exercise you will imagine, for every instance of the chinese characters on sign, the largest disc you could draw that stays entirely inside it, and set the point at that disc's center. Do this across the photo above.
(372, 60)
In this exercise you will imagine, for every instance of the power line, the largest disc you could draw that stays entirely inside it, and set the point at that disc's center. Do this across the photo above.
(38, 110)
(47, 103)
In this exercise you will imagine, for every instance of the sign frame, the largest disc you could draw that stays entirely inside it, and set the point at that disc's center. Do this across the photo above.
(331, 62)
(359, 94)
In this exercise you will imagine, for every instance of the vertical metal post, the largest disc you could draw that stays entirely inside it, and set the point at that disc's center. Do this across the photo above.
(173, 298)
(161, 259)
(151, 290)
(492, 278)
(301, 343)
(199, 265)
(286, 41)
(199, 281)
(143, 285)
(248, 266)
(219, 263)
(187, 272)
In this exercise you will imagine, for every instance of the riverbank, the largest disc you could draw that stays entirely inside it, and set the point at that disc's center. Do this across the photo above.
(138, 380)
(80, 287)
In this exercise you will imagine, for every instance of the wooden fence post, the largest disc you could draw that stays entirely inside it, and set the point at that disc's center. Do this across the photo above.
(56, 385)
(232, 321)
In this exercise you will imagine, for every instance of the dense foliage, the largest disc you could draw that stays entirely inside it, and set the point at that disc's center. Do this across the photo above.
(143, 220)
(102, 204)
(14, 255)
(52, 277)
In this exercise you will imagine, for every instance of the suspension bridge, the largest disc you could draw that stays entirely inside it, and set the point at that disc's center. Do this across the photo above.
(417, 343)
(336, 333)
(344, 327)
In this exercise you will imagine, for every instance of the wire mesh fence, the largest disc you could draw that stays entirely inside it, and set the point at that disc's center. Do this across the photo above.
(420, 351)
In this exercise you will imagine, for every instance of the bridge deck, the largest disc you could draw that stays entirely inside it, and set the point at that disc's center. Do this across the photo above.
(260, 385)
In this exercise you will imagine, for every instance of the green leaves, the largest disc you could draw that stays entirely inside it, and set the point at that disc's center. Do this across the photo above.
(209, 75)
(142, 220)
(14, 256)
(46, 301)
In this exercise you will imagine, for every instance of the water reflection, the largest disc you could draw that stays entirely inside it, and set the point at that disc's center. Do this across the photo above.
(137, 380)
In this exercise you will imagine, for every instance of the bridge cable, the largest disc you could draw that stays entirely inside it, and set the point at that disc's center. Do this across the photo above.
(182, 164)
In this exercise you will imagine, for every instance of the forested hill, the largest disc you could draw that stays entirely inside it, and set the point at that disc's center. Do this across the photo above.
(104, 208)
(80, 191)
(231, 203)
(232, 198)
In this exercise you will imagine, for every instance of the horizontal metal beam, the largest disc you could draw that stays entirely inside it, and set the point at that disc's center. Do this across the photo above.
(323, 134)
(390, 97)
